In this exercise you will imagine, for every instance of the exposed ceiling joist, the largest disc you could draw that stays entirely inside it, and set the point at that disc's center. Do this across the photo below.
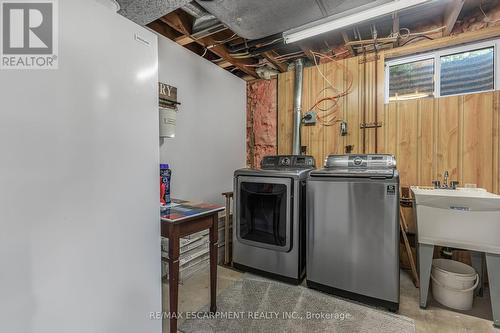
(346, 41)
(248, 78)
(243, 57)
(221, 51)
(178, 21)
(224, 64)
(307, 50)
(449, 41)
(271, 58)
(200, 50)
(184, 40)
(164, 29)
(451, 14)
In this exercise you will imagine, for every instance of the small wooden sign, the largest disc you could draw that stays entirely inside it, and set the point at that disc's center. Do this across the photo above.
(168, 94)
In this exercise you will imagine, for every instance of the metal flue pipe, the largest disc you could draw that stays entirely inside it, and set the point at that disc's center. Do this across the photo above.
(297, 105)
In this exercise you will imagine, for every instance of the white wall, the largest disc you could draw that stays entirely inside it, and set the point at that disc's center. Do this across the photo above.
(210, 140)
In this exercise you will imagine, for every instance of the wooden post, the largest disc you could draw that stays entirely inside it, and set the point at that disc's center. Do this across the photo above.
(227, 227)
(214, 247)
(403, 227)
(173, 275)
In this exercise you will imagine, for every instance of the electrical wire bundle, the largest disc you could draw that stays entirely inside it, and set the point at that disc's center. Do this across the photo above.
(328, 116)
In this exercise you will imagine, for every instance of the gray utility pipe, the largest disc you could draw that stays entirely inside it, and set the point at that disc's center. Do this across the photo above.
(297, 105)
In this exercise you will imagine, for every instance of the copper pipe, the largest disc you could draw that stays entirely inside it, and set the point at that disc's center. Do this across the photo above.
(364, 101)
(297, 105)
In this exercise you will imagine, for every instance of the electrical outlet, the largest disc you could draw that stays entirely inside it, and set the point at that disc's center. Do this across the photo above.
(309, 118)
(343, 128)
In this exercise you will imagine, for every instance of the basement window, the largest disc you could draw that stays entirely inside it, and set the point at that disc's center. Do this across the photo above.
(411, 80)
(467, 72)
(447, 72)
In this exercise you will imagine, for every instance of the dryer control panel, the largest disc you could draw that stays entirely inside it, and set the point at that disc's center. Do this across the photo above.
(288, 161)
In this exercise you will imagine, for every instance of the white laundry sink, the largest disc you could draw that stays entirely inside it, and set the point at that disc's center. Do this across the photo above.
(462, 218)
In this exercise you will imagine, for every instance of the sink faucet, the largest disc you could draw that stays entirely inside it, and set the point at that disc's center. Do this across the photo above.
(453, 184)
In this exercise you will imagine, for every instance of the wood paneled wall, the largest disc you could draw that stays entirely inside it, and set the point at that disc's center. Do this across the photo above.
(459, 134)
(357, 107)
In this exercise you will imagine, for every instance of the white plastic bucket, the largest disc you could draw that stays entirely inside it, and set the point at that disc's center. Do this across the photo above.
(453, 283)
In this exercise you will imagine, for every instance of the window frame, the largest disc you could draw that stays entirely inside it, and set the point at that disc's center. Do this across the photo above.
(436, 55)
(407, 60)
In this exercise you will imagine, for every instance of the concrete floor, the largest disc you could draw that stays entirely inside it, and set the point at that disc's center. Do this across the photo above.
(194, 294)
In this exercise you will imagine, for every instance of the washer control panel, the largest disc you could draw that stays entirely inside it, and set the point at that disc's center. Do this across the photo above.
(367, 161)
(287, 162)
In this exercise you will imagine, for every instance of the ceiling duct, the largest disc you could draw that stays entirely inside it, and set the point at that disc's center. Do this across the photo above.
(261, 18)
(205, 24)
(146, 11)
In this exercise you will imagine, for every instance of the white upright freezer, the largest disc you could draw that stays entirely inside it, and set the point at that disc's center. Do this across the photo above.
(79, 213)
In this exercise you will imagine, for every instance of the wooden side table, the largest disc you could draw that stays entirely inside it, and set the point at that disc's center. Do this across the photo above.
(182, 220)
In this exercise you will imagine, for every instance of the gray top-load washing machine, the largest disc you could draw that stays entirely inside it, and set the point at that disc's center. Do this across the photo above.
(353, 229)
(269, 217)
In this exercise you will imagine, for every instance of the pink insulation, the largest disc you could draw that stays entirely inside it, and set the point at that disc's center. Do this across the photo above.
(261, 120)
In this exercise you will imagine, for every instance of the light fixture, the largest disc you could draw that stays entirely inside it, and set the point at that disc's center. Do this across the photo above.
(341, 21)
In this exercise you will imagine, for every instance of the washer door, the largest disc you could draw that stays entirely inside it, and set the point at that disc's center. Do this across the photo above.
(264, 212)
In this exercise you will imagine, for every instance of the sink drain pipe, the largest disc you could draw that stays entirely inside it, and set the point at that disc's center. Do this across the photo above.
(297, 105)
